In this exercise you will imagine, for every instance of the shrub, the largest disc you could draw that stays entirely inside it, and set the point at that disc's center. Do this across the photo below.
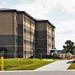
(68, 55)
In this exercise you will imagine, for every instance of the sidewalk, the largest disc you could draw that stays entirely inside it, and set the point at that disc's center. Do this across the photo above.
(60, 65)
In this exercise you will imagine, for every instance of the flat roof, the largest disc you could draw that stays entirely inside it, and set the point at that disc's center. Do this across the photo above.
(6, 10)
(14, 10)
(26, 14)
(42, 20)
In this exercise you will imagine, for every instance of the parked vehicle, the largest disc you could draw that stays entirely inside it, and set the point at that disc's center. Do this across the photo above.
(58, 53)
(53, 53)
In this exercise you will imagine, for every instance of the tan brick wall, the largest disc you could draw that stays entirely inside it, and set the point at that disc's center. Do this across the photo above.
(41, 26)
(8, 23)
(5, 23)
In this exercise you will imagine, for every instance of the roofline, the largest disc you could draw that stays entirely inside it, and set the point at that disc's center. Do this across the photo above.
(8, 10)
(14, 10)
(27, 14)
(46, 21)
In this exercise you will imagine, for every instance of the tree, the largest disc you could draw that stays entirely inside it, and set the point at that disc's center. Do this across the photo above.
(69, 47)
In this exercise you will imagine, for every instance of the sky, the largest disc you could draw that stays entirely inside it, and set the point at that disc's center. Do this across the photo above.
(61, 13)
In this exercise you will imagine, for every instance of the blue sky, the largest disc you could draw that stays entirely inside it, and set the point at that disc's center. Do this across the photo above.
(61, 13)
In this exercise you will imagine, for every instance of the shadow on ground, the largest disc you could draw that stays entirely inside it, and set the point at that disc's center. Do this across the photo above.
(69, 62)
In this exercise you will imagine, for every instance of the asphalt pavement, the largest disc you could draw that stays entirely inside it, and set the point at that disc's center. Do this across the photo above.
(38, 73)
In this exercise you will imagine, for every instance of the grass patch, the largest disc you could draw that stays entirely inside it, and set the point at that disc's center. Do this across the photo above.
(23, 64)
(72, 66)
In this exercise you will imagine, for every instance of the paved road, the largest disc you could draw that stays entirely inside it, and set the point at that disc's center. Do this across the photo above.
(39, 73)
(60, 65)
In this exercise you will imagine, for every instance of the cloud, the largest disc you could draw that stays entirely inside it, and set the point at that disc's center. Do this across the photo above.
(42, 7)
(36, 9)
(3, 4)
(68, 6)
(48, 9)
(65, 30)
(66, 26)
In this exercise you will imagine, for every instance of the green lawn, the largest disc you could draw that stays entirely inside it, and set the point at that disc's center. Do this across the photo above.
(23, 64)
(72, 66)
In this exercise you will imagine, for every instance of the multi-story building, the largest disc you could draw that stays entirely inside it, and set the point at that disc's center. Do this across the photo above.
(8, 32)
(45, 37)
(21, 35)
(26, 31)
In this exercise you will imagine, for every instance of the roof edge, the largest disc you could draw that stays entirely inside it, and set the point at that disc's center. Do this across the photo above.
(46, 21)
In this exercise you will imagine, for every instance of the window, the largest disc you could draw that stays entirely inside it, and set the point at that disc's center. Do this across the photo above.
(16, 29)
(24, 30)
(24, 41)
